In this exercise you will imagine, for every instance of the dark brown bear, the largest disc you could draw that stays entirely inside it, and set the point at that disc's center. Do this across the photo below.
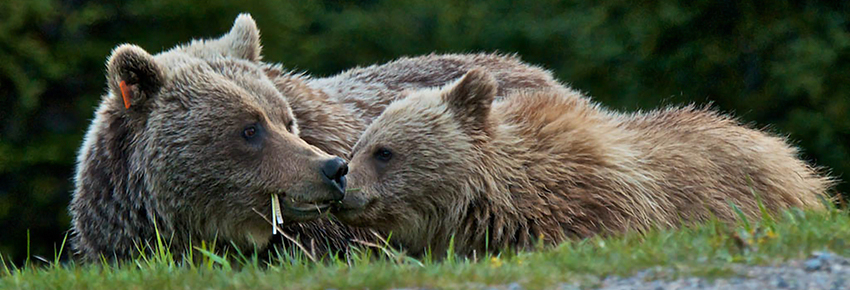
(190, 141)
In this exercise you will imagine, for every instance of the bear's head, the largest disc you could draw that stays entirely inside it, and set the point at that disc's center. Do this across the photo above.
(195, 139)
(409, 169)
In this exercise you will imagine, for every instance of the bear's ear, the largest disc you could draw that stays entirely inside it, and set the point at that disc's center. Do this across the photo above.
(133, 76)
(243, 40)
(470, 99)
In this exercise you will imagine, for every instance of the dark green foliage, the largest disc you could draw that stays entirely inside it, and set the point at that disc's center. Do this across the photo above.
(782, 64)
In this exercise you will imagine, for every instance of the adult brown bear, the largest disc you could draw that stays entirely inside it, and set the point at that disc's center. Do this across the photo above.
(188, 142)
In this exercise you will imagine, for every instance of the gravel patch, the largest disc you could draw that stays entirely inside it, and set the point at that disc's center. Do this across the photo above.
(822, 270)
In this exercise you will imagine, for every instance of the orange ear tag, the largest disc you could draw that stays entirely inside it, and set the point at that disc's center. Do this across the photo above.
(125, 94)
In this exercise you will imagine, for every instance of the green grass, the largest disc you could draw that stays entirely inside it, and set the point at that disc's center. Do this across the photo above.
(705, 250)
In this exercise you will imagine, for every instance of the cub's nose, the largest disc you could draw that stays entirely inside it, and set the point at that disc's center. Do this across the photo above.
(334, 171)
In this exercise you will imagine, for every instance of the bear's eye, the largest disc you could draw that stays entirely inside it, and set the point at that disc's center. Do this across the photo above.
(383, 154)
(289, 126)
(249, 132)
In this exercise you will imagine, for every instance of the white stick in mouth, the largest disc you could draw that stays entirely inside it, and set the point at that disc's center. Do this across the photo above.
(277, 216)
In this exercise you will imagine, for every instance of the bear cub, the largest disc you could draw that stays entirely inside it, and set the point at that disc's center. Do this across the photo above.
(452, 164)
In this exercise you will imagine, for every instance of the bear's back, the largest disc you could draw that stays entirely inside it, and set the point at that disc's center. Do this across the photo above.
(619, 172)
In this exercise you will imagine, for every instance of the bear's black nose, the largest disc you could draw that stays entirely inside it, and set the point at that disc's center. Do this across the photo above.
(335, 170)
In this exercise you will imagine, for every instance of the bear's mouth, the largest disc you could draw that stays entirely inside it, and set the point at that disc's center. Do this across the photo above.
(303, 206)
(294, 208)
(352, 209)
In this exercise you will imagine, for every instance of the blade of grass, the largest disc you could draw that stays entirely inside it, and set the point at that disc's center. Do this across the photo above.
(58, 255)
(6, 270)
(215, 258)
(741, 216)
(27, 262)
(765, 215)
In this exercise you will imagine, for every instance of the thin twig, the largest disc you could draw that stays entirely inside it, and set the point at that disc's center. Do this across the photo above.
(309, 255)
(313, 246)
(374, 245)
(385, 241)
(377, 235)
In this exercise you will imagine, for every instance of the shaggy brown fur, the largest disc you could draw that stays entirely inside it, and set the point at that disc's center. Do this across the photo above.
(334, 111)
(177, 158)
(551, 164)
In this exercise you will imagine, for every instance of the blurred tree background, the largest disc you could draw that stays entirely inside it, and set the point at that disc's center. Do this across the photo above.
(781, 64)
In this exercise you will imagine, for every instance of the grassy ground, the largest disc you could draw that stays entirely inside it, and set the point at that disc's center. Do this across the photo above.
(703, 250)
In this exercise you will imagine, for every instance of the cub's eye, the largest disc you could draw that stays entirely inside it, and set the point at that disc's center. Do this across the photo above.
(249, 132)
(383, 154)
(289, 126)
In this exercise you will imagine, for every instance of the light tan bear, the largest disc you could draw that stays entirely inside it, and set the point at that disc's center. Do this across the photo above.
(551, 164)
(191, 141)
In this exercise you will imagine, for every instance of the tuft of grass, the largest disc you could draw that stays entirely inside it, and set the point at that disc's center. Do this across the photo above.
(705, 250)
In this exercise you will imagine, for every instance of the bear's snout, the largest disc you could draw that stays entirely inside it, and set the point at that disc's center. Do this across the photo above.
(334, 171)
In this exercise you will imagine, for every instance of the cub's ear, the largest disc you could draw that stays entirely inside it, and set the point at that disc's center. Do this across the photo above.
(133, 76)
(470, 99)
(243, 40)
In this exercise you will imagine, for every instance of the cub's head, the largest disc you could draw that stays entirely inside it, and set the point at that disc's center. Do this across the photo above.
(408, 170)
(198, 136)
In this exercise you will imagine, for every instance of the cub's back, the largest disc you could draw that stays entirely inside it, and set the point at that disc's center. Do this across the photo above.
(661, 167)
(710, 155)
